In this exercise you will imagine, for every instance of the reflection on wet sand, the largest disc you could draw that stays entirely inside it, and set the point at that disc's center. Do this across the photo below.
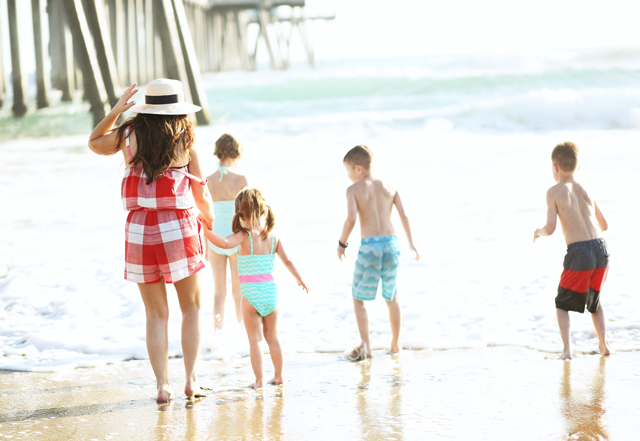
(375, 422)
(583, 409)
(252, 415)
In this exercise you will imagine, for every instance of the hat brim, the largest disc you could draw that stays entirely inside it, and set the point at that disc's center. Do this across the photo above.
(167, 109)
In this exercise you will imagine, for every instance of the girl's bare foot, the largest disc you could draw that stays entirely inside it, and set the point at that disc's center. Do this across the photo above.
(604, 349)
(395, 349)
(193, 390)
(359, 353)
(256, 385)
(565, 356)
(275, 381)
(164, 394)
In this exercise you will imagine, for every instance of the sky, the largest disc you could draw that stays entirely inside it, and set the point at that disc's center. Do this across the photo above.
(372, 28)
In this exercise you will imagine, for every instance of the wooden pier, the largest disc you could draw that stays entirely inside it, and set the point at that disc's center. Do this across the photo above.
(101, 46)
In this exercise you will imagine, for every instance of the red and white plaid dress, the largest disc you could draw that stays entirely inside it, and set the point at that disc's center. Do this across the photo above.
(162, 234)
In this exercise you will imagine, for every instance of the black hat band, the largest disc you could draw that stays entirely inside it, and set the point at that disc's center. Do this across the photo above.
(161, 99)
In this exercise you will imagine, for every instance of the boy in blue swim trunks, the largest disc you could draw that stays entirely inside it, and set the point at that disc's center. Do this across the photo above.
(372, 200)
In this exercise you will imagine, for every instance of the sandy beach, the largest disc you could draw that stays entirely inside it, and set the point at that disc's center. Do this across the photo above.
(465, 138)
(496, 393)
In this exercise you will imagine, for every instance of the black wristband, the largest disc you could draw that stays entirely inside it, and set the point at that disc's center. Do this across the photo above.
(343, 245)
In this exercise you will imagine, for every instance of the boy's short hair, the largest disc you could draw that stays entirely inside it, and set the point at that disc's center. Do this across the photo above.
(227, 146)
(566, 156)
(359, 155)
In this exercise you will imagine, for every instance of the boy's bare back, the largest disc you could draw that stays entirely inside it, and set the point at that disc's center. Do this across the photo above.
(579, 215)
(374, 200)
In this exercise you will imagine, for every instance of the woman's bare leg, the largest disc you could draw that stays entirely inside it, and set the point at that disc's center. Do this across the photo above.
(189, 297)
(235, 285)
(270, 325)
(253, 323)
(154, 297)
(219, 270)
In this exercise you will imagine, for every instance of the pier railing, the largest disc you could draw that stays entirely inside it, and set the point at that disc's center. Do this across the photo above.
(98, 46)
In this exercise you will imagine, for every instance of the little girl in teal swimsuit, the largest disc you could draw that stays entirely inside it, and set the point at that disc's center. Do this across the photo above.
(224, 186)
(252, 227)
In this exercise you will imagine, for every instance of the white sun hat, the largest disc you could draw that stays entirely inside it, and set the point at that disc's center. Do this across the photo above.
(165, 97)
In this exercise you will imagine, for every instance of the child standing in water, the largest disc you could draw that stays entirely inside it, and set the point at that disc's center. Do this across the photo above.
(252, 227)
(587, 260)
(224, 186)
(372, 200)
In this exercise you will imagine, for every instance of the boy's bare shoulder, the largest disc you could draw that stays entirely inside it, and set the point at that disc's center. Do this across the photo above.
(372, 184)
(559, 190)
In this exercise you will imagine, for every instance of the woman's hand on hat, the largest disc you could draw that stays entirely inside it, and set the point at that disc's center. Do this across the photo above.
(123, 103)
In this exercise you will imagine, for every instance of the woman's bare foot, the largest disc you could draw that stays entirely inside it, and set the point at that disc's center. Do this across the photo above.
(256, 385)
(604, 349)
(275, 381)
(164, 394)
(193, 390)
(395, 349)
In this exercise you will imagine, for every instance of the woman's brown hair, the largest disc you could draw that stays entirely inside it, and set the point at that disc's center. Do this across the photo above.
(160, 139)
(251, 206)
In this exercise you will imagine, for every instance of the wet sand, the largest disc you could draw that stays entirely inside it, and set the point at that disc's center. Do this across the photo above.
(498, 393)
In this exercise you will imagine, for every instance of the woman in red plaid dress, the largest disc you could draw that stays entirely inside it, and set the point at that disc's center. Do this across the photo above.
(163, 245)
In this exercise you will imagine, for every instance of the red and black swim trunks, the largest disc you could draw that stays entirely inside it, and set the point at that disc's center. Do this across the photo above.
(585, 270)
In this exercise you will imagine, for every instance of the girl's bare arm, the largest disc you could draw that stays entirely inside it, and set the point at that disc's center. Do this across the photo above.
(288, 263)
(231, 241)
(103, 140)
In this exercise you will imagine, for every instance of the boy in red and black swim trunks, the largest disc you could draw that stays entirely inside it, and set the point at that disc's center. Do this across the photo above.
(587, 260)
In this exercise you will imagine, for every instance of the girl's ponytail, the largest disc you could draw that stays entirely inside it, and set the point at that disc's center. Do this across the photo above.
(269, 223)
(235, 223)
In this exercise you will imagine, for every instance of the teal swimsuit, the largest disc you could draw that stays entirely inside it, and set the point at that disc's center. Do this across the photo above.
(223, 212)
(256, 279)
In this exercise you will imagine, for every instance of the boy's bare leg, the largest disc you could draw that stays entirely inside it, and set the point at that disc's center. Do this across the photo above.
(252, 323)
(154, 297)
(219, 270)
(188, 290)
(235, 285)
(601, 329)
(565, 332)
(395, 318)
(362, 318)
(270, 330)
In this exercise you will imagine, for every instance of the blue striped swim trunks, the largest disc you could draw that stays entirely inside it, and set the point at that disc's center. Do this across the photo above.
(378, 259)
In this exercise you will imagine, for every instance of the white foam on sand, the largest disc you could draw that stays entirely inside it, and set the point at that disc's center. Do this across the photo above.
(474, 201)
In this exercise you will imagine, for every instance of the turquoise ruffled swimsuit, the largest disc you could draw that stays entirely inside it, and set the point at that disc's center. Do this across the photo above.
(223, 212)
(256, 279)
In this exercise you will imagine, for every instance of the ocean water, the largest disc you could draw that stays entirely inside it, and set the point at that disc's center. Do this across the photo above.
(466, 139)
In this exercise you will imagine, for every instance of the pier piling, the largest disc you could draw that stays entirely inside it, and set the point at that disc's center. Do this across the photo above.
(99, 46)
(18, 76)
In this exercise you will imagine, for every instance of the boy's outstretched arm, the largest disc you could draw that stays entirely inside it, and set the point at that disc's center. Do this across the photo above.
(290, 266)
(405, 223)
(231, 241)
(604, 226)
(352, 216)
(552, 218)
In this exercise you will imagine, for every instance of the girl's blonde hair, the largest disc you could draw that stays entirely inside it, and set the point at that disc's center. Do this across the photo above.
(250, 207)
(227, 146)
